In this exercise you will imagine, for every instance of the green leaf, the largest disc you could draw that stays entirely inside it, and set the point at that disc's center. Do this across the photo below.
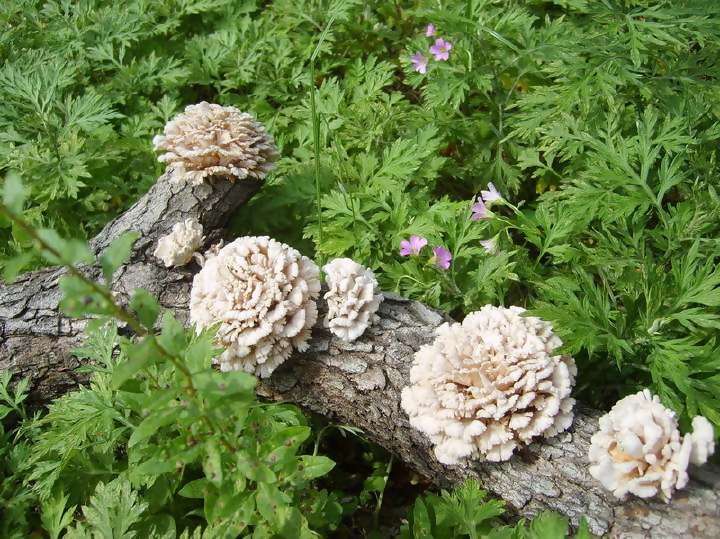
(117, 253)
(217, 386)
(69, 251)
(316, 466)
(253, 469)
(55, 516)
(150, 425)
(583, 531)
(548, 525)
(80, 299)
(146, 307)
(269, 501)
(14, 192)
(172, 338)
(212, 465)
(421, 525)
(140, 355)
(12, 267)
(199, 488)
(114, 510)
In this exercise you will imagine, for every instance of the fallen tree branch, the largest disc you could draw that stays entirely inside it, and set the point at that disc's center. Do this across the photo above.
(357, 384)
(360, 384)
(36, 339)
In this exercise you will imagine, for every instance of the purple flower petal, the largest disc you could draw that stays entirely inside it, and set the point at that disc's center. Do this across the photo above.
(441, 49)
(479, 210)
(419, 62)
(417, 243)
(443, 257)
(430, 30)
(413, 246)
(491, 195)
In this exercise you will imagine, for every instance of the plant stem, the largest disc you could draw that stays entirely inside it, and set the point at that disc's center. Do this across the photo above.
(378, 506)
(120, 312)
(315, 117)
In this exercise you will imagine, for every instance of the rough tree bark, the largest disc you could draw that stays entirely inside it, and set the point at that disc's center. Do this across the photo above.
(36, 339)
(357, 384)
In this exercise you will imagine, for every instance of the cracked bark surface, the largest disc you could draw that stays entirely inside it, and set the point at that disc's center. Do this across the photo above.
(36, 339)
(357, 383)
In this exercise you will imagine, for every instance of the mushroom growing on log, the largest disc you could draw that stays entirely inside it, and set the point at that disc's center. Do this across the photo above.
(356, 383)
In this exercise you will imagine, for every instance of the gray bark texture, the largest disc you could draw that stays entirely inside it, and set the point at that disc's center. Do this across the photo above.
(357, 384)
(36, 339)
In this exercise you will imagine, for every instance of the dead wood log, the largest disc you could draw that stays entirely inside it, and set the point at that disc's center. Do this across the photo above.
(357, 384)
(36, 339)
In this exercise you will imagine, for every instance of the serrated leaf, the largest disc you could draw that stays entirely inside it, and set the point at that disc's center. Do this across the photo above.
(146, 307)
(139, 356)
(117, 253)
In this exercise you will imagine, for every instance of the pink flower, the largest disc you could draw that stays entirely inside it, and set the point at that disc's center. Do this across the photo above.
(479, 210)
(430, 30)
(413, 246)
(491, 195)
(419, 62)
(441, 49)
(490, 246)
(442, 257)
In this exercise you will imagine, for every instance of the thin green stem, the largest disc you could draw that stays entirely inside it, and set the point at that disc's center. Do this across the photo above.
(378, 506)
(120, 312)
(315, 117)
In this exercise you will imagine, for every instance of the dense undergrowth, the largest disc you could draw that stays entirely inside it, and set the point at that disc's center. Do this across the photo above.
(597, 121)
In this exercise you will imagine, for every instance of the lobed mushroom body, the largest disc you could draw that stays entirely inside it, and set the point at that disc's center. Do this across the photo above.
(638, 448)
(262, 293)
(177, 248)
(352, 298)
(212, 140)
(489, 385)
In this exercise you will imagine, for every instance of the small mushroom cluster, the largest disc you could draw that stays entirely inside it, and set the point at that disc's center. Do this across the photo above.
(638, 448)
(178, 247)
(489, 385)
(262, 293)
(352, 298)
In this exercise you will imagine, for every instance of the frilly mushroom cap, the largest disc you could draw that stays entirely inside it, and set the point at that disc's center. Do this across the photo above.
(352, 298)
(209, 139)
(490, 384)
(638, 448)
(177, 248)
(702, 439)
(262, 292)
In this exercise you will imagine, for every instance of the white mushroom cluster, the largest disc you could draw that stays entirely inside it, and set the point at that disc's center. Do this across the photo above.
(178, 247)
(638, 448)
(263, 295)
(489, 385)
(209, 139)
(353, 298)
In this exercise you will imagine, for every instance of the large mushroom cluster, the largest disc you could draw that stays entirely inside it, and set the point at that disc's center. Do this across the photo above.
(262, 293)
(489, 385)
(211, 140)
(483, 388)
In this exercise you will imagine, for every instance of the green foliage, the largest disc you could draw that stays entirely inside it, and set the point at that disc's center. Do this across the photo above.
(597, 121)
(466, 512)
(159, 443)
(146, 451)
